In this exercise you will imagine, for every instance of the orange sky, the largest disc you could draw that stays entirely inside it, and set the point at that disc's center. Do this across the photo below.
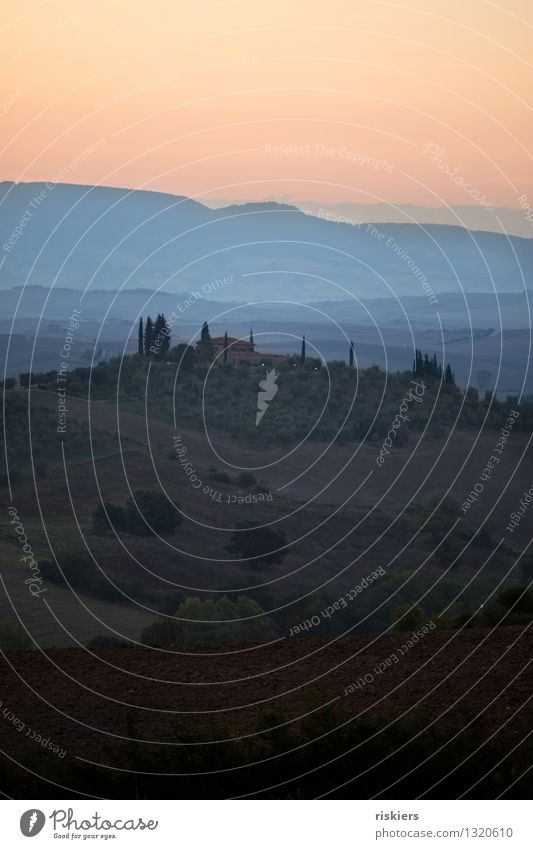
(207, 99)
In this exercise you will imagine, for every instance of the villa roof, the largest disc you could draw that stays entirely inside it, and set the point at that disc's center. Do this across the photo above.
(231, 340)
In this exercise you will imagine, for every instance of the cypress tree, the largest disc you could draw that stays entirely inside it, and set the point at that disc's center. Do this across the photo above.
(158, 329)
(302, 354)
(205, 348)
(352, 356)
(141, 338)
(148, 336)
(251, 337)
(225, 347)
(165, 330)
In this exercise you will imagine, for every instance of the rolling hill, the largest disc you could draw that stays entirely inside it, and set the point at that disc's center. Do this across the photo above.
(101, 237)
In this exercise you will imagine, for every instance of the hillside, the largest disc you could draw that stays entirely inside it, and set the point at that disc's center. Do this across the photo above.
(342, 517)
(104, 237)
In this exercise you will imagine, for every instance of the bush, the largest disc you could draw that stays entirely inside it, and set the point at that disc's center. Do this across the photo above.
(104, 641)
(246, 480)
(82, 574)
(13, 637)
(146, 513)
(108, 517)
(151, 512)
(407, 618)
(219, 477)
(518, 598)
(257, 545)
(163, 633)
(222, 620)
(511, 606)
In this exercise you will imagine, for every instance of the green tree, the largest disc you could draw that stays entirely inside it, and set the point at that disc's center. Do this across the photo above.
(158, 334)
(104, 641)
(302, 352)
(163, 633)
(407, 618)
(205, 348)
(140, 347)
(184, 355)
(245, 479)
(511, 606)
(449, 376)
(26, 378)
(161, 336)
(108, 517)
(13, 637)
(151, 512)
(223, 620)
(165, 344)
(148, 337)
(517, 598)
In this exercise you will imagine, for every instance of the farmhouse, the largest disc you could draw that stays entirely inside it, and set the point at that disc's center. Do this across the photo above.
(237, 350)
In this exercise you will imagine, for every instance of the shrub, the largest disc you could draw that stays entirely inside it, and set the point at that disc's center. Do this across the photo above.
(146, 513)
(517, 598)
(257, 545)
(222, 620)
(407, 618)
(108, 517)
(511, 606)
(13, 637)
(82, 574)
(220, 477)
(246, 479)
(104, 641)
(163, 633)
(151, 512)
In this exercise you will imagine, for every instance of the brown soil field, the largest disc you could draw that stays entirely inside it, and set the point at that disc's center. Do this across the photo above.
(86, 703)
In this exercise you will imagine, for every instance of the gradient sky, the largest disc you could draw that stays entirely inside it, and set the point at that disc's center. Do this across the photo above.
(187, 98)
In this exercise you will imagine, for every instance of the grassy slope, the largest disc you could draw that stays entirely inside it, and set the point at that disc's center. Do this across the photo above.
(379, 538)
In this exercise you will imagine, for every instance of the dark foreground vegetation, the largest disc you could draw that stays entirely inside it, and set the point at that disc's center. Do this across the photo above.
(451, 719)
(365, 758)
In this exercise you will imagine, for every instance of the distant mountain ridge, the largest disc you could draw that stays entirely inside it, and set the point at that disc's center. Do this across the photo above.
(108, 238)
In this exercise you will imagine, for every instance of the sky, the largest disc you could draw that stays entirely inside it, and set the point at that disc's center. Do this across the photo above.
(350, 101)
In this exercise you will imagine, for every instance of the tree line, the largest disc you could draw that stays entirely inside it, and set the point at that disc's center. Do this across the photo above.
(154, 337)
(424, 366)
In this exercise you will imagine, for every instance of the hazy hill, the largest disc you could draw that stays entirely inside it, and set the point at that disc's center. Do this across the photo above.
(472, 216)
(105, 237)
